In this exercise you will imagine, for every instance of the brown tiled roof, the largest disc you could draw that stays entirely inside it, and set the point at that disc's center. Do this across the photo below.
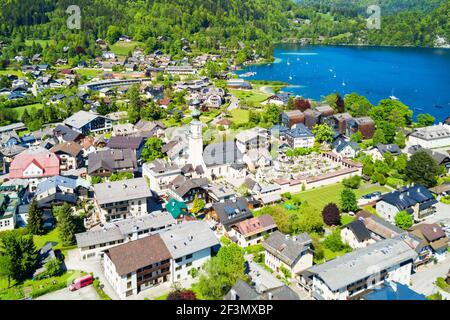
(71, 148)
(254, 225)
(439, 244)
(137, 254)
(431, 232)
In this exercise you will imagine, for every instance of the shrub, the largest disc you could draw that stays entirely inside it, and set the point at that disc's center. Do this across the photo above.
(352, 182)
(394, 182)
(53, 267)
(286, 195)
(331, 215)
(334, 242)
(445, 200)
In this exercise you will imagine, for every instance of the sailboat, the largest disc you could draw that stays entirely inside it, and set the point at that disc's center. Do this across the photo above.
(343, 83)
(392, 97)
(288, 63)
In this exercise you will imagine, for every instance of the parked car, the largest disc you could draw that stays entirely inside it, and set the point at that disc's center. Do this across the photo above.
(81, 282)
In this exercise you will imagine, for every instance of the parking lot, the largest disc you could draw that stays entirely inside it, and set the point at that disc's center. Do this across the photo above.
(86, 293)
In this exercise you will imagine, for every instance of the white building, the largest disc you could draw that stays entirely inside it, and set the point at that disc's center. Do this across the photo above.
(122, 199)
(252, 231)
(299, 137)
(351, 275)
(255, 138)
(432, 137)
(160, 174)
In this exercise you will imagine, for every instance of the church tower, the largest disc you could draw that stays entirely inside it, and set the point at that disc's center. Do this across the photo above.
(196, 141)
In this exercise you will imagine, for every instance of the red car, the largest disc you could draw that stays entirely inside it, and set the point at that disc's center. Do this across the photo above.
(81, 282)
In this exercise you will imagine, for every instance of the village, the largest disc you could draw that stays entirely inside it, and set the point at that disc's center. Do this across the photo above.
(139, 170)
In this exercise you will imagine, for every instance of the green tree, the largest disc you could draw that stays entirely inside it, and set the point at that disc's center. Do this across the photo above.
(113, 34)
(357, 137)
(356, 105)
(348, 201)
(323, 133)
(309, 220)
(378, 137)
(53, 267)
(197, 205)
(152, 149)
(68, 225)
(35, 220)
(400, 139)
(422, 169)
(403, 220)
(425, 120)
(334, 242)
(134, 109)
(6, 268)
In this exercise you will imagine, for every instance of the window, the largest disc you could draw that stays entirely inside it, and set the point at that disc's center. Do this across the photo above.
(178, 268)
(129, 276)
(188, 264)
(129, 285)
(179, 260)
(189, 256)
(129, 293)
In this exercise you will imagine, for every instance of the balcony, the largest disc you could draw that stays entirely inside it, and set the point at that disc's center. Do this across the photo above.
(162, 274)
(148, 271)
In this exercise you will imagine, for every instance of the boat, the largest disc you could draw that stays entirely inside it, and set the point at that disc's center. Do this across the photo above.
(288, 63)
(420, 109)
(343, 83)
(290, 77)
(393, 98)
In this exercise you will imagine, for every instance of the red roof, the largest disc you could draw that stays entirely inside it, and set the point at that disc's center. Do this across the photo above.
(255, 225)
(47, 161)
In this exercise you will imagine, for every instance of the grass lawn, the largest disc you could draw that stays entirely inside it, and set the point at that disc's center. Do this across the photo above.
(346, 219)
(52, 236)
(329, 255)
(11, 72)
(163, 297)
(239, 116)
(89, 72)
(21, 110)
(121, 48)
(320, 197)
(42, 42)
(254, 95)
(36, 287)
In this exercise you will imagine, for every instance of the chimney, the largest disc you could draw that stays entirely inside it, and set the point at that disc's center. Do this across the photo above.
(270, 295)
(434, 229)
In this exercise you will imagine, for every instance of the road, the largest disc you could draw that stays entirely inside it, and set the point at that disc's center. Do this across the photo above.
(261, 277)
(423, 281)
(234, 104)
(442, 214)
(86, 293)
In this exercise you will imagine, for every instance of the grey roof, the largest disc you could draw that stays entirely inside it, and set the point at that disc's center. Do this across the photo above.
(300, 131)
(189, 184)
(280, 293)
(242, 291)
(81, 118)
(287, 248)
(67, 133)
(359, 230)
(407, 197)
(122, 190)
(392, 148)
(230, 212)
(222, 153)
(124, 142)
(13, 150)
(362, 263)
(114, 159)
(14, 126)
(189, 237)
(118, 230)
(432, 133)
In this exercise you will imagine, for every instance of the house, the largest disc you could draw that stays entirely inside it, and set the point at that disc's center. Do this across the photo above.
(181, 70)
(252, 231)
(380, 149)
(190, 244)
(312, 117)
(137, 265)
(441, 158)
(186, 189)
(356, 234)
(299, 137)
(220, 193)
(135, 144)
(230, 212)
(391, 290)
(177, 209)
(280, 99)
(415, 200)
(59, 190)
(160, 174)
(431, 137)
(34, 164)
(64, 133)
(93, 243)
(255, 138)
(345, 148)
(125, 129)
(8, 212)
(378, 228)
(338, 122)
(122, 199)
(245, 292)
(7, 155)
(86, 122)
(106, 162)
(325, 111)
(434, 237)
(365, 125)
(291, 118)
(70, 155)
(226, 123)
(239, 84)
(294, 254)
(352, 275)
(150, 128)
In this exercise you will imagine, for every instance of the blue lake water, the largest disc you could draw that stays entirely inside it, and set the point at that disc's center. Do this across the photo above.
(419, 77)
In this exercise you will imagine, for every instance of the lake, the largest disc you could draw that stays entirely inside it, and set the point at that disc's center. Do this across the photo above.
(419, 77)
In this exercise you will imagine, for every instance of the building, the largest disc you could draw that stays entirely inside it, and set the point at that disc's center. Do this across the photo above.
(244, 292)
(92, 243)
(345, 148)
(256, 138)
(230, 212)
(356, 235)
(365, 125)
(299, 137)
(8, 212)
(106, 162)
(252, 231)
(339, 122)
(291, 118)
(59, 190)
(351, 276)
(160, 174)
(380, 149)
(34, 164)
(312, 117)
(181, 70)
(190, 244)
(137, 265)
(239, 84)
(122, 199)
(178, 209)
(415, 200)
(86, 122)
(293, 254)
(391, 290)
(441, 158)
(70, 155)
(122, 143)
(432, 137)
(434, 237)
(186, 189)
(65, 134)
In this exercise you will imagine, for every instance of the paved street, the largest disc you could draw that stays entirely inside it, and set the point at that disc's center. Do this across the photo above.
(73, 262)
(234, 103)
(442, 214)
(261, 277)
(86, 293)
(423, 281)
